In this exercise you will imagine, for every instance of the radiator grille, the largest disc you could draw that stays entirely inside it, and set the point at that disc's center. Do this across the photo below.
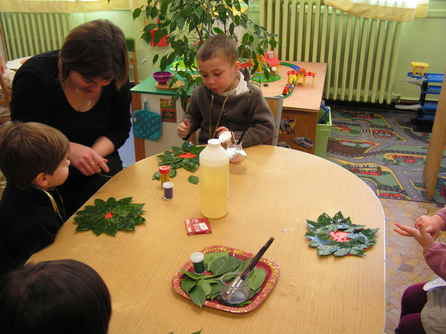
(29, 34)
(361, 53)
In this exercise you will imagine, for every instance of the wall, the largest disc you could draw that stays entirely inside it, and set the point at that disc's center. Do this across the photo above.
(421, 40)
(131, 28)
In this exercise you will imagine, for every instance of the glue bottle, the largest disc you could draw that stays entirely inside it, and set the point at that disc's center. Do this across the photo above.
(214, 180)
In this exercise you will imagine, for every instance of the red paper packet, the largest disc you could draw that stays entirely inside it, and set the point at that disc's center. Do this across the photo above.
(197, 226)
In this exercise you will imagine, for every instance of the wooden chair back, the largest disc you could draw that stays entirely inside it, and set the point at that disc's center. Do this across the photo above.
(276, 105)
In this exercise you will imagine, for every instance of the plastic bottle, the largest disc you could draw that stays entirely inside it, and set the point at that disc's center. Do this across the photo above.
(214, 180)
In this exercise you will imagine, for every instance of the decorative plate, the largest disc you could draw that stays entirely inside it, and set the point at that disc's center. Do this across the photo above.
(272, 276)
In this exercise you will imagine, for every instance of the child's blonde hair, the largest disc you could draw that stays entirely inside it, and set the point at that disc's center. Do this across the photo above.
(27, 149)
(218, 45)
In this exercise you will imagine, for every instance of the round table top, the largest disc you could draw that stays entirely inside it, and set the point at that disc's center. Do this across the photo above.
(272, 193)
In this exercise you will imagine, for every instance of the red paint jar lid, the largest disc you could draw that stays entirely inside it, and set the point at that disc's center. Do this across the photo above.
(164, 169)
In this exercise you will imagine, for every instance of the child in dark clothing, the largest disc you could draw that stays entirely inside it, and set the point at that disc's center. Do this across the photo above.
(54, 297)
(225, 101)
(33, 158)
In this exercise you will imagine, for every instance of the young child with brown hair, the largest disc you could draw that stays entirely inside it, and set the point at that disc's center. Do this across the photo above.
(423, 305)
(53, 297)
(226, 101)
(33, 158)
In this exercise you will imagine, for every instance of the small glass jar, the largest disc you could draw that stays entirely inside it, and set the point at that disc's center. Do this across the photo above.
(164, 174)
(197, 259)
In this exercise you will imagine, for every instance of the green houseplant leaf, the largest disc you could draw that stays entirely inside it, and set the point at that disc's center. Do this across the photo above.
(189, 23)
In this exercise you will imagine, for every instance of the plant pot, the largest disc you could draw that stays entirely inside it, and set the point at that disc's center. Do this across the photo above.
(162, 77)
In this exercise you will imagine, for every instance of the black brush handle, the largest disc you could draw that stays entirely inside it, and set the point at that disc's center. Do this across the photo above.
(256, 259)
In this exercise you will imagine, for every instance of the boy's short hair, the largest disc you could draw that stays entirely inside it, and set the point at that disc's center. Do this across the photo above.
(63, 297)
(218, 45)
(27, 149)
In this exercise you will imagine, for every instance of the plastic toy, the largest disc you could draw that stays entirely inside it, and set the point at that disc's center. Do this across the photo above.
(430, 84)
(419, 68)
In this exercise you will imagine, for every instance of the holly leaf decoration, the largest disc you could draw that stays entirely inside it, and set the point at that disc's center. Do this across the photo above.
(338, 236)
(110, 216)
(220, 267)
(193, 179)
(186, 156)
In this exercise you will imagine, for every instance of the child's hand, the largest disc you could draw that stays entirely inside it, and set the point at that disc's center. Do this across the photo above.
(183, 128)
(420, 234)
(433, 224)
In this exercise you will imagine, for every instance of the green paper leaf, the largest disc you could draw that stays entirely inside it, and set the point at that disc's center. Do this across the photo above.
(124, 216)
(209, 257)
(320, 233)
(193, 179)
(198, 296)
(256, 278)
(342, 252)
(326, 250)
(205, 286)
(172, 173)
(187, 284)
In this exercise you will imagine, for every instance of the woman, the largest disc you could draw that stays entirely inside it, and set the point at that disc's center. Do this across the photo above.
(83, 91)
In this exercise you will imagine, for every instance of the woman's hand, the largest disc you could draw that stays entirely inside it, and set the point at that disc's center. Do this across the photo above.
(424, 238)
(87, 160)
(183, 128)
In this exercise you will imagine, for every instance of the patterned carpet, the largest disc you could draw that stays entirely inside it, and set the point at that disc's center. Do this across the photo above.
(383, 150)
(405, 264)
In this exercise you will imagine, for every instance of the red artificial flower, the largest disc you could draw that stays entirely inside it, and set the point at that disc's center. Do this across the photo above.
(108, 215)
(339, 236)
(187, 155)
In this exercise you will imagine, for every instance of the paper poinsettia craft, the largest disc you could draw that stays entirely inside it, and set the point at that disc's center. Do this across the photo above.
(110, 216)
(338, 236)
(186, 156)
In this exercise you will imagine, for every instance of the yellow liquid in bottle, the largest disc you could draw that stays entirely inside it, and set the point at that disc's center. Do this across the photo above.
(214, 190)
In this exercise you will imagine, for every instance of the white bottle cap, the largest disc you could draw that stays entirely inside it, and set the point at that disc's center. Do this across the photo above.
(197, 257)
(167, 185)
(213, 142)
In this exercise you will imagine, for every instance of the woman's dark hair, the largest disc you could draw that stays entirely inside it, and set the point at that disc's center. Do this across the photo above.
(27, 149)
(63, 297)
(96, 49)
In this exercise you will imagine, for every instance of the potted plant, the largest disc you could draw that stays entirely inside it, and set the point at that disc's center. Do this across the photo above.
(188, 23)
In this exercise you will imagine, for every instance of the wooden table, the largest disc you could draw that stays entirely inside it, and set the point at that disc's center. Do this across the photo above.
(273, 192)
(300, 109)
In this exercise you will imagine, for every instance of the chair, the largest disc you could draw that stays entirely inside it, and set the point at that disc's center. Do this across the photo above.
(276, 105)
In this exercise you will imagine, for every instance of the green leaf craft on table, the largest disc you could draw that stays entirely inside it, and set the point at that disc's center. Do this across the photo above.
(110, 216)
(220, 268)
(186, 156)
(338, 236)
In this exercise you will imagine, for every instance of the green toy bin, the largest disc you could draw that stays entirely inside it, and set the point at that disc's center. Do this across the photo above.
(323, 131)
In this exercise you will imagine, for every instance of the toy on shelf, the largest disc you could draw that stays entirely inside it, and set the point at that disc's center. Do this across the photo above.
(296, 76)
(430, 84)
(419, 68)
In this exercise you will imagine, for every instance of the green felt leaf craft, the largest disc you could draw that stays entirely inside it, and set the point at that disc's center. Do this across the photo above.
(220, 267)
(110, 216)
(186, 157)
(338, 236)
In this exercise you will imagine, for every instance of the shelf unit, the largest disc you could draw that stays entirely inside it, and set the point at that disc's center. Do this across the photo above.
(430, 84)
